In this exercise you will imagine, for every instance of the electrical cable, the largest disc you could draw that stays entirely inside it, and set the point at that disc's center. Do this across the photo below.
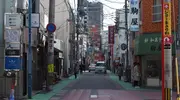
(114, 2)
(109, 6)
(59, 3)
(110, 16)
(61, 11)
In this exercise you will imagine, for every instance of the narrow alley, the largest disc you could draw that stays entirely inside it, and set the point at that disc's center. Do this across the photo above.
(90, 86)
(89, 49)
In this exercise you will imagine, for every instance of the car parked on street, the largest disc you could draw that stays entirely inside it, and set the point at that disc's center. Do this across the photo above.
(100, 67)
(92, 67)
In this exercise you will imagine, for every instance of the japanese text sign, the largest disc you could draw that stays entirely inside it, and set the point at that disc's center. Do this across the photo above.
(152, 40)
(111, 34)
(134, 14)
(167, 19)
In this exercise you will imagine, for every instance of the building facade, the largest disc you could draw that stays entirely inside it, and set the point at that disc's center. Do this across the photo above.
(120, 37)
(64, 21)
(147, 42)
(95, 21)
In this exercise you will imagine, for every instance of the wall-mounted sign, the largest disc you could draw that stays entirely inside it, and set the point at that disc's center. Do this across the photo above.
(12, 45)
(13, 20)
(35, 20)
(13, 63)
(12, 52)
(12, 35)
(134, 14)
(111, 34)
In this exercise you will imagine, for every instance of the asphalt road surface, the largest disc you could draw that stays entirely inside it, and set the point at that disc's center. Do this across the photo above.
(90, 86)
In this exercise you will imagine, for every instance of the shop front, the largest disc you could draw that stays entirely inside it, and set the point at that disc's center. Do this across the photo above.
(148, 49)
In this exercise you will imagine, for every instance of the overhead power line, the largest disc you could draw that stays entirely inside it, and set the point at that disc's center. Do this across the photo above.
(59, 3)
(114, 2)
(109, 6)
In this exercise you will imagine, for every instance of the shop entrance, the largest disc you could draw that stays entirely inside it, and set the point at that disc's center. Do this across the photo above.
(151, 75)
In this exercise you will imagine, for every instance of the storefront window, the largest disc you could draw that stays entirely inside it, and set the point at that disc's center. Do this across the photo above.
(153, 69)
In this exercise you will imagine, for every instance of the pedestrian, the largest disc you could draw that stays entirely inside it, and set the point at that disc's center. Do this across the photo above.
(136, 75)
(75, 71)
(84, 67)
(119, 71)
(81, 68)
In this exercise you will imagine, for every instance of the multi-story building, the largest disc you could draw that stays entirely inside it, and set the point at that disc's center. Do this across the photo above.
(95, 20)
(120, 36)
(104, 41)
(64, 21)
(147, 42)
(21, 6)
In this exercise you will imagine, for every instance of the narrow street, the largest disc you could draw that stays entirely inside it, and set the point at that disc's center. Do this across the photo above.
(90, 86)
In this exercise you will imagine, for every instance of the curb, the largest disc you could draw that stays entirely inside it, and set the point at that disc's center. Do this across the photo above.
(128, 86)
(56, 89)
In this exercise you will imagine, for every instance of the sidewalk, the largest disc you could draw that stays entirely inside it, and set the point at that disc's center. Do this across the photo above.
(128, 86)
(56, 89)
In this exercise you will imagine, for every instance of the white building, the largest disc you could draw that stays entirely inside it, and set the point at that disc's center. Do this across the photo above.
(63, 22)
(120, 38)
(104, 40)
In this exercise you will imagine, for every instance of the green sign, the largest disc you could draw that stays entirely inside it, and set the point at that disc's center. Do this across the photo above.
(149, 44)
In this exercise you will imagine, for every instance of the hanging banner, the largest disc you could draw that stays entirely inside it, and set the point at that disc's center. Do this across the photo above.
(134, 15)
(111, 34)
(167, 23)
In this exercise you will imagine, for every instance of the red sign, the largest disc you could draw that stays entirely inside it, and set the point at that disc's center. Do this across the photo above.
(94, 29)
(166, 6)
(111, 30)
(111, 51)
(99, 56)
(167, 40)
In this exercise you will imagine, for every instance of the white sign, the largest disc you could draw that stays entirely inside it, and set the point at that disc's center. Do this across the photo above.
(134, 14)
(13, 20)
(152, 40)
(35, 20)
(12, 46)
(12, 35)
(51, 43)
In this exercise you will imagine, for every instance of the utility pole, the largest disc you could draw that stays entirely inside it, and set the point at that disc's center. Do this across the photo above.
(77, 31)
(77, 41)
(127, 37)
(30, 54)
(167, 51)
(50, 39)
(177, 46)
(178, 50)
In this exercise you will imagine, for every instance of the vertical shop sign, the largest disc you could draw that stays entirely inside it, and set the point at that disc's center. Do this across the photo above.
(134, 15)
(111, 34)
(167, 23)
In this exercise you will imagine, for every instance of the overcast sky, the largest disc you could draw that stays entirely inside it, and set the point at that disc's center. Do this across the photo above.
(109, 10)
